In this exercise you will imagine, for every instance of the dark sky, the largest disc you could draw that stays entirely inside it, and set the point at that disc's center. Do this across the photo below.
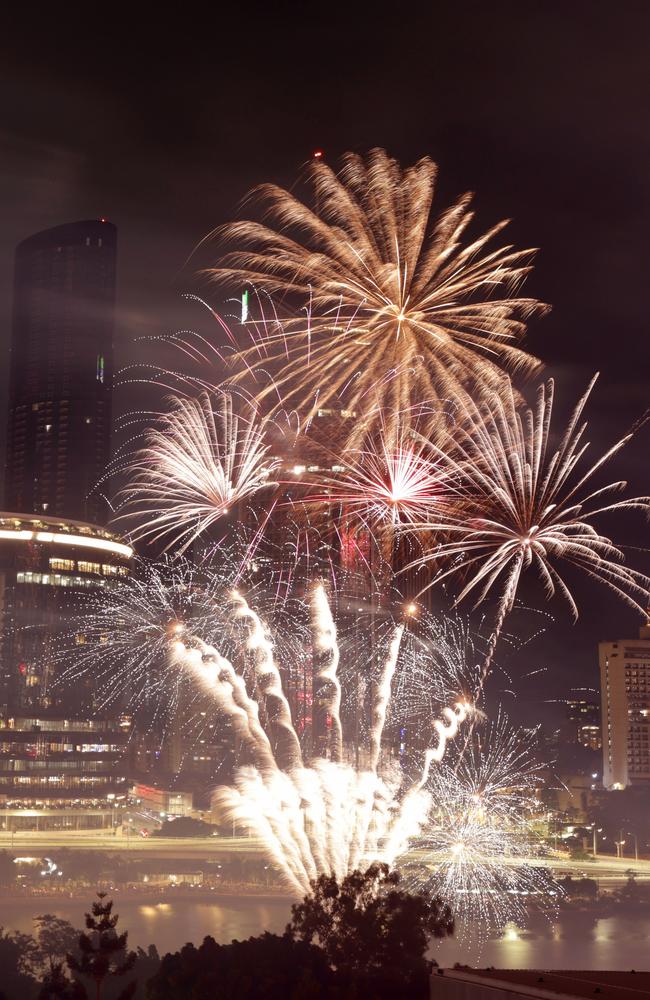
(542, 108)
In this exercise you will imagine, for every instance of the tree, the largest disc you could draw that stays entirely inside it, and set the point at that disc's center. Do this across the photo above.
(630, 890)
(56, 938)
(263, 968)
(373, 934)
(7, 869)
(17, 955)
(185, 826)
(146, 965)
(103, 951)
(56, 985)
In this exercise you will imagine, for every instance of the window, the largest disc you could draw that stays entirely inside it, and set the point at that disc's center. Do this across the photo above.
(62, 564)
(88, 567)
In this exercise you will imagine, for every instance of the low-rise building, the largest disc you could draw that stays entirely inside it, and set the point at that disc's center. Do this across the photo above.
(165, 802)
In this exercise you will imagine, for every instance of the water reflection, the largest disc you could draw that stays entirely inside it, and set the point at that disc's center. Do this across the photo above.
(578, 940)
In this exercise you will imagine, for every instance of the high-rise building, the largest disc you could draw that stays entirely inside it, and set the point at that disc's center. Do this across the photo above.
(59, 426)
(625, 693)
(583, 715)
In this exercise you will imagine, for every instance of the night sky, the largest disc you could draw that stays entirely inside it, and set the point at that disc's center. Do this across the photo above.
(542, 108)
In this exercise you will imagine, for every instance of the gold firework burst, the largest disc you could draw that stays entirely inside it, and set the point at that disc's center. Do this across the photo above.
(387, 306)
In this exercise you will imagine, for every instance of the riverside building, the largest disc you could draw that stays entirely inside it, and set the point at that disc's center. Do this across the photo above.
(625, 692)
(62, 757)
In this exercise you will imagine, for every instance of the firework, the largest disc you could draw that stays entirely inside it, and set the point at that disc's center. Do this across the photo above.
(388, 483)
(398, 309)
(123, 636)
(480, 850)
(199, 461)
(324, 815)
(527, 505)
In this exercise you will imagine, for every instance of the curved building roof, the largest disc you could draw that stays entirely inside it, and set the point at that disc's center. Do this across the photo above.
(62, 531)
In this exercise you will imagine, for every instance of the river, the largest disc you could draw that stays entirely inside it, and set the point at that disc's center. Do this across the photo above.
(577, 941)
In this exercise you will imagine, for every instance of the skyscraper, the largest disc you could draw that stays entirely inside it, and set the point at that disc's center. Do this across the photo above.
(59, 427)
(625, 690)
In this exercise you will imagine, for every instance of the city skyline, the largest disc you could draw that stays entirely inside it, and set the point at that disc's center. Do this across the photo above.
(567, 188)
(325, 517)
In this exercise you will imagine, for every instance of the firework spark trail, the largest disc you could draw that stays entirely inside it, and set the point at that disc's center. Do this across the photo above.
(229, 691)
(276, 795)
(504, 609)
(397, 307)
(199, 460)
(408, 821)
(325, 816)
(481, 843)
(327, 655)
(268, 676)
(386, 483)
(383, 697)
(521, 505)
(126, 628)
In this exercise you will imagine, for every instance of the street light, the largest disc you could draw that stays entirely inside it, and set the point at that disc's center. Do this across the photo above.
(596, 829)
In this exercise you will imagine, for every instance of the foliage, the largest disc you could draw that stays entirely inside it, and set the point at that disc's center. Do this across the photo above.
(580, 854)
(17, 953)
(103, 952)
(56, 985)
(372, 933)
(7, 868)
(146, 965)
(266, 967)
(87, 866)
(55, 938)
(184, 826)
(585, 888)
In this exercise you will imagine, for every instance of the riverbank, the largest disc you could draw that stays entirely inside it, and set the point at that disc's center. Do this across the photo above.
(151, 894)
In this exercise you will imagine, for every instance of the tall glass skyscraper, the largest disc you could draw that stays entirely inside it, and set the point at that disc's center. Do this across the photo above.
(59, 428)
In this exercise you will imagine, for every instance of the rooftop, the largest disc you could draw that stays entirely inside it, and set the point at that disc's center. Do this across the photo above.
(36, 527)
(552, 984)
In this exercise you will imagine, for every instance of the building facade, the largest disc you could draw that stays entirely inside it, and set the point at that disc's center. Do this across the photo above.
(62, 757)
(583, 716)
(61, 370)
(625, 692)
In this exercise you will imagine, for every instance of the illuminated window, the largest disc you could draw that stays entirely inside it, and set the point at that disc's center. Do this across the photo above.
(88, 567)
(61, 563)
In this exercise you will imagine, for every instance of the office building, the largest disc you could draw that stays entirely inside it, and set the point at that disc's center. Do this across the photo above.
(60, 380)
(583, 716)
(62, 755)
(625, 693)
(61, 774)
